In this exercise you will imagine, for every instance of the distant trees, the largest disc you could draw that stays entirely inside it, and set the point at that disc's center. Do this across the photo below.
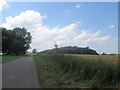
(56, 47)
(104, 54)
(34, 51)
(72, 50)
(15, 41)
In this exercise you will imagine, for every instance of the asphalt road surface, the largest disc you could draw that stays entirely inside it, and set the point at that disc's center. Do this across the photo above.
(20, 73)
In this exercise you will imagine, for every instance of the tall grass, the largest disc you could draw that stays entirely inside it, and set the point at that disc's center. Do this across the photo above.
(96, 73)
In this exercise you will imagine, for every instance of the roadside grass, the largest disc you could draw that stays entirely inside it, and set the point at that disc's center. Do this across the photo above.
(0, 59)
(9, 58)
(56, 71)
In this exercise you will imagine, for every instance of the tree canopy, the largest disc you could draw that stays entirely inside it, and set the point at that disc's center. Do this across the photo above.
(34, 51)
(15, 41)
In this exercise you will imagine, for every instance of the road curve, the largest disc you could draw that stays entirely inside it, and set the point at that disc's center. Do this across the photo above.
(20, 73)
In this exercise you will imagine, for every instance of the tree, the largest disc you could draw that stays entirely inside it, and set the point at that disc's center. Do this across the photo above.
(34, 51)
(56, 47)
(0, 40)
(6, 40)
(71, 50)
(17, 47)
(104, 54)
(15, 41)
(24, 36)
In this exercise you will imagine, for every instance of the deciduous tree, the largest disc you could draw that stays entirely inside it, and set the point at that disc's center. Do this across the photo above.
(15, 41)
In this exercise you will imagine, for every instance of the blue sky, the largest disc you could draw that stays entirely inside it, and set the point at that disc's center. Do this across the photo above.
(93, 17)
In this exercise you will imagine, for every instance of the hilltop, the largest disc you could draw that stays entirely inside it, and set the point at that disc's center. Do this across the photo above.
(71, 50)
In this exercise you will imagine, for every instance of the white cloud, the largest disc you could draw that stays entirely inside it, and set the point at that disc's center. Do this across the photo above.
(44, 37)
(110, 47)
(29, 19)
(78, 6)
(3, 4)
(111, 26)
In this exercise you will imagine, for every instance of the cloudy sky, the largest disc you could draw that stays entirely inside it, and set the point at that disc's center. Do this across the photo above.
(83, 24)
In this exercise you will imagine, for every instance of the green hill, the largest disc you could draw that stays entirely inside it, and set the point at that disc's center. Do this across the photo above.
(71, 50)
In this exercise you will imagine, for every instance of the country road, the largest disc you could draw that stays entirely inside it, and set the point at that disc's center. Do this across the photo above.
(20, 73)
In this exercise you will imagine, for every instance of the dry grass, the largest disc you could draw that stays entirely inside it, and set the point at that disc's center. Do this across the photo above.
(109, 58)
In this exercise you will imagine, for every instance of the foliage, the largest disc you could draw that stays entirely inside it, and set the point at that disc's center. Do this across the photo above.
(73, 70)
(0, 40)
(71, 50)
(34, 51)
(15, 41)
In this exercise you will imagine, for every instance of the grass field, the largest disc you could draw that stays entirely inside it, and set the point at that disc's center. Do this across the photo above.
(68, 71)
(9, 58)
(108, 58)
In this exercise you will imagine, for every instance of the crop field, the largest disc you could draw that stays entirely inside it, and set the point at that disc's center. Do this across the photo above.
(108, 58)
(76, 71)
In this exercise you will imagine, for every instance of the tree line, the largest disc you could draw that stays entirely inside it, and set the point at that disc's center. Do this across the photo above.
(15, 41)
(71, 50)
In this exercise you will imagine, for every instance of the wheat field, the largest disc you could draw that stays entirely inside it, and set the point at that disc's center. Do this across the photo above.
(108, 58)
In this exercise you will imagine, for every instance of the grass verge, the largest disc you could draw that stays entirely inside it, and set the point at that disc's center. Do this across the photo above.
(9, 58)
(56, 71)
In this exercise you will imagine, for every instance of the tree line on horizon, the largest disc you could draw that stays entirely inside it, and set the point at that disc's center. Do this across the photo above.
(15, 41)
(71, 50)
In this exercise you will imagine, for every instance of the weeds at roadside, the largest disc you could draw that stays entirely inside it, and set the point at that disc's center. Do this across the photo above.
(56, 70)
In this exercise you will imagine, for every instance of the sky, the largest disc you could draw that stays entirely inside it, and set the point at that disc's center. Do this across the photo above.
(82, 24)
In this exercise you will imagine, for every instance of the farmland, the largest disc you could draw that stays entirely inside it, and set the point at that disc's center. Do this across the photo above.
(77, 71)
(108, 58)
